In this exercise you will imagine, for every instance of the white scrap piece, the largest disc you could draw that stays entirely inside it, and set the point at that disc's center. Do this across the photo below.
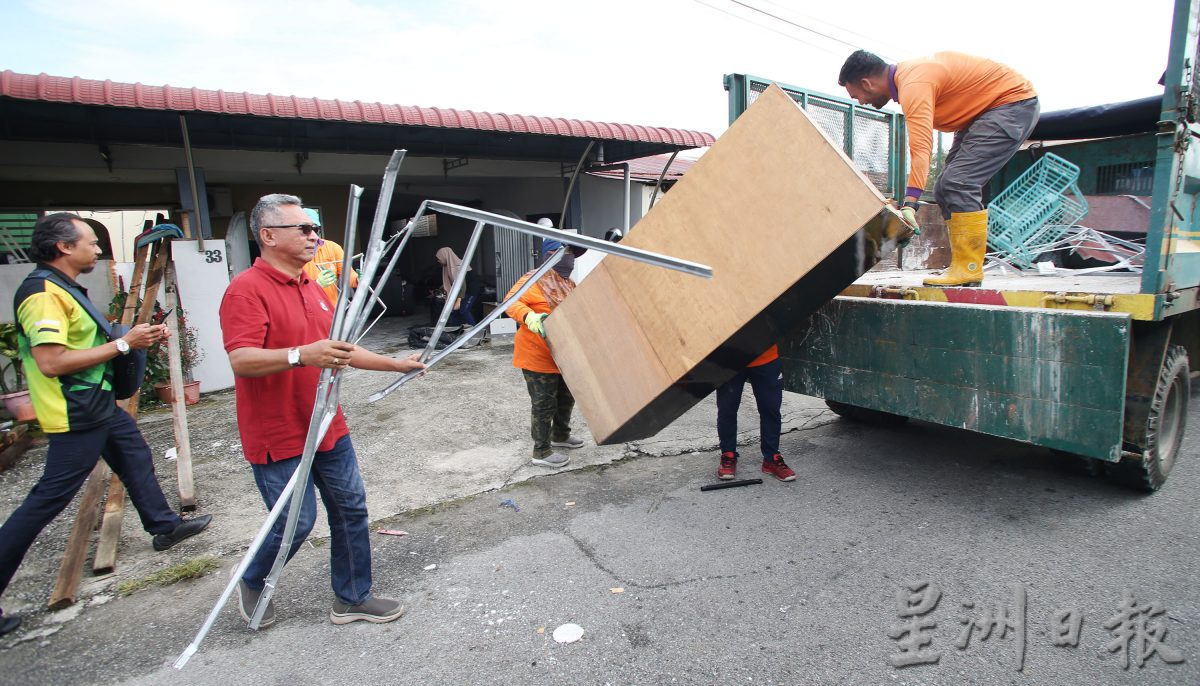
(568, 633)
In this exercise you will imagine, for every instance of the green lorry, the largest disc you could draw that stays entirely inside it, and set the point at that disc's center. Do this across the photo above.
(1094, 365)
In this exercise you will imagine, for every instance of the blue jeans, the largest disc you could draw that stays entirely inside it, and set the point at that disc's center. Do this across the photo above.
(767, 383)
(69, 459)
(335, 474)
(464, 315)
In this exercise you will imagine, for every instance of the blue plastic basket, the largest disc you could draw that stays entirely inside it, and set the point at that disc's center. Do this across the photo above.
(1035, 211)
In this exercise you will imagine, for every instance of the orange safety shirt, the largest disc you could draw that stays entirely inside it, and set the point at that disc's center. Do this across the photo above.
(771, 355)
(529, 349)
(329, 255)
(947, 92)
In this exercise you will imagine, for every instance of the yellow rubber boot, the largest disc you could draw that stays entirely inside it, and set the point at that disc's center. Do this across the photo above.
(968, 242)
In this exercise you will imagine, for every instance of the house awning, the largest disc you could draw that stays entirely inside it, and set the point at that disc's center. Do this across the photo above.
(53, 108)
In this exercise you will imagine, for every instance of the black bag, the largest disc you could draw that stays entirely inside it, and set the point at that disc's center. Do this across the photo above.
(129, 369)
(418, 336)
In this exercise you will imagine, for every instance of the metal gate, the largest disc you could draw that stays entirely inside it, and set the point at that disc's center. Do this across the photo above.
(874, 139)
(514, 256)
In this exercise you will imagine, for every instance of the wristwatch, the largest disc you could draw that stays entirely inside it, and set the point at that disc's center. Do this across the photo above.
(122, 346)
(294, 357)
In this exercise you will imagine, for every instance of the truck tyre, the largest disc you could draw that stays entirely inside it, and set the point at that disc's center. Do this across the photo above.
(863, 415)
(1164, 427)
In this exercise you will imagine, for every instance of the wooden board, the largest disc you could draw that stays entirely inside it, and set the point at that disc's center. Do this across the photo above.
(105, 559)
(778, 212)
(183, 442)
(70, 571)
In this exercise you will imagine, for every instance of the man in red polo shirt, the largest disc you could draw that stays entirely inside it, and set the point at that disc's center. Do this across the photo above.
(276, 324)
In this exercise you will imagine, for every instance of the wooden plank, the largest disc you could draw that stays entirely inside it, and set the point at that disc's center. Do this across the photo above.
(777, 210)
(105, 560)
(158, 266)
(135, 285)
(70, 571)
(183, 444)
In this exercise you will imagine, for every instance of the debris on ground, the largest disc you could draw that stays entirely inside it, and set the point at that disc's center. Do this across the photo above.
(568, 633)
(192, 569)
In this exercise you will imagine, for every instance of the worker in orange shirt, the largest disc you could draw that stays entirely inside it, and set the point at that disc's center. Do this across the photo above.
(765, 374)
(991, 110)
(550, 423)
(326, 265)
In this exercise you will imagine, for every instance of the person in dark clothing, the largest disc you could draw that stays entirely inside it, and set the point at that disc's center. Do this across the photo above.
(472, 285)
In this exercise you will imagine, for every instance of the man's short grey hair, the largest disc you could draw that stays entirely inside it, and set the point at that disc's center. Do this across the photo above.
(51, 230)
(266, 208)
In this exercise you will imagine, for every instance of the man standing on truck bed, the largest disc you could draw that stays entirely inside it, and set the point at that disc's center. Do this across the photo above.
(990, 108)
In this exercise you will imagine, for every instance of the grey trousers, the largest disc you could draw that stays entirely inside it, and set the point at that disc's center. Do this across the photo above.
(979, 151)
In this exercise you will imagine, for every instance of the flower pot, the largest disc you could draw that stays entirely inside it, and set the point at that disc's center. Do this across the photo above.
(20, 406)
(191, 393)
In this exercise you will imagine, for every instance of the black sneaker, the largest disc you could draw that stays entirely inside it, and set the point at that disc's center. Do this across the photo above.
(189, 528)
(8, 624)
(374, 609)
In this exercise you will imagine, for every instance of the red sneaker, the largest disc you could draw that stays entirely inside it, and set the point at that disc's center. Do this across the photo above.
(778, 468)
(728, 467)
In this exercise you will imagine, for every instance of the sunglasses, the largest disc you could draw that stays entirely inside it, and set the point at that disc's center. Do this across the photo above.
(306, 229)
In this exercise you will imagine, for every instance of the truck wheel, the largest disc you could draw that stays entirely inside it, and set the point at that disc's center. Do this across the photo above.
(865, 416)
(1164, 427)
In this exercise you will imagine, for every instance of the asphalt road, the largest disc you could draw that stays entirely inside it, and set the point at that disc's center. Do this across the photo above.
(774, 583)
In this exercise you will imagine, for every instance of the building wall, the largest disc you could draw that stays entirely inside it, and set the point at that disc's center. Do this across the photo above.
(330, 199)
(525, 197)
(97, 283)
(603, 203)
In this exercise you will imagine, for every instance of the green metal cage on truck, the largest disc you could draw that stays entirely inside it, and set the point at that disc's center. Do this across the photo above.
(1096, 365)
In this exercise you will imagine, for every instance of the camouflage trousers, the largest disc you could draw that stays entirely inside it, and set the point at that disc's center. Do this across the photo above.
(550, 418)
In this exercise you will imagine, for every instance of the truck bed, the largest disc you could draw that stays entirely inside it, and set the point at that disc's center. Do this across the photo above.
(1107, 283)
(1105, 292)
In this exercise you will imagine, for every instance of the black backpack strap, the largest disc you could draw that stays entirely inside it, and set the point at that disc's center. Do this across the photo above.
(84, 301)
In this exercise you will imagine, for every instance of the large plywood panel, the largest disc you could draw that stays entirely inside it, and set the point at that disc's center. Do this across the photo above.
(777, 210)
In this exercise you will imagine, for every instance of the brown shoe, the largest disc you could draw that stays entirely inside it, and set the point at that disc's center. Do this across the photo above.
(374, 609)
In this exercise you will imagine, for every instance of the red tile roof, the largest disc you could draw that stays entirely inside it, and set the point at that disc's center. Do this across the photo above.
(648, 168)
(46, 88)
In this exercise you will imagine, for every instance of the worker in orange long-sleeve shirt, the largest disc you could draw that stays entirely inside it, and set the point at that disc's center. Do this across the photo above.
(551, 400)
(989, 107)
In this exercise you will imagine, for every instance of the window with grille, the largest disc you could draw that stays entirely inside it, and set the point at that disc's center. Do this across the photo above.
(1129, 178)
(16, 228)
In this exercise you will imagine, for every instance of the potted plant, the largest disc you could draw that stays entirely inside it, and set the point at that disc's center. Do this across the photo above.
(15, 394)
(158, 371)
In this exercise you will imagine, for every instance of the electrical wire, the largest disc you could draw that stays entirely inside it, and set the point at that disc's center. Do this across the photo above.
(870, 40)
(792, 23)
(768, 28)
